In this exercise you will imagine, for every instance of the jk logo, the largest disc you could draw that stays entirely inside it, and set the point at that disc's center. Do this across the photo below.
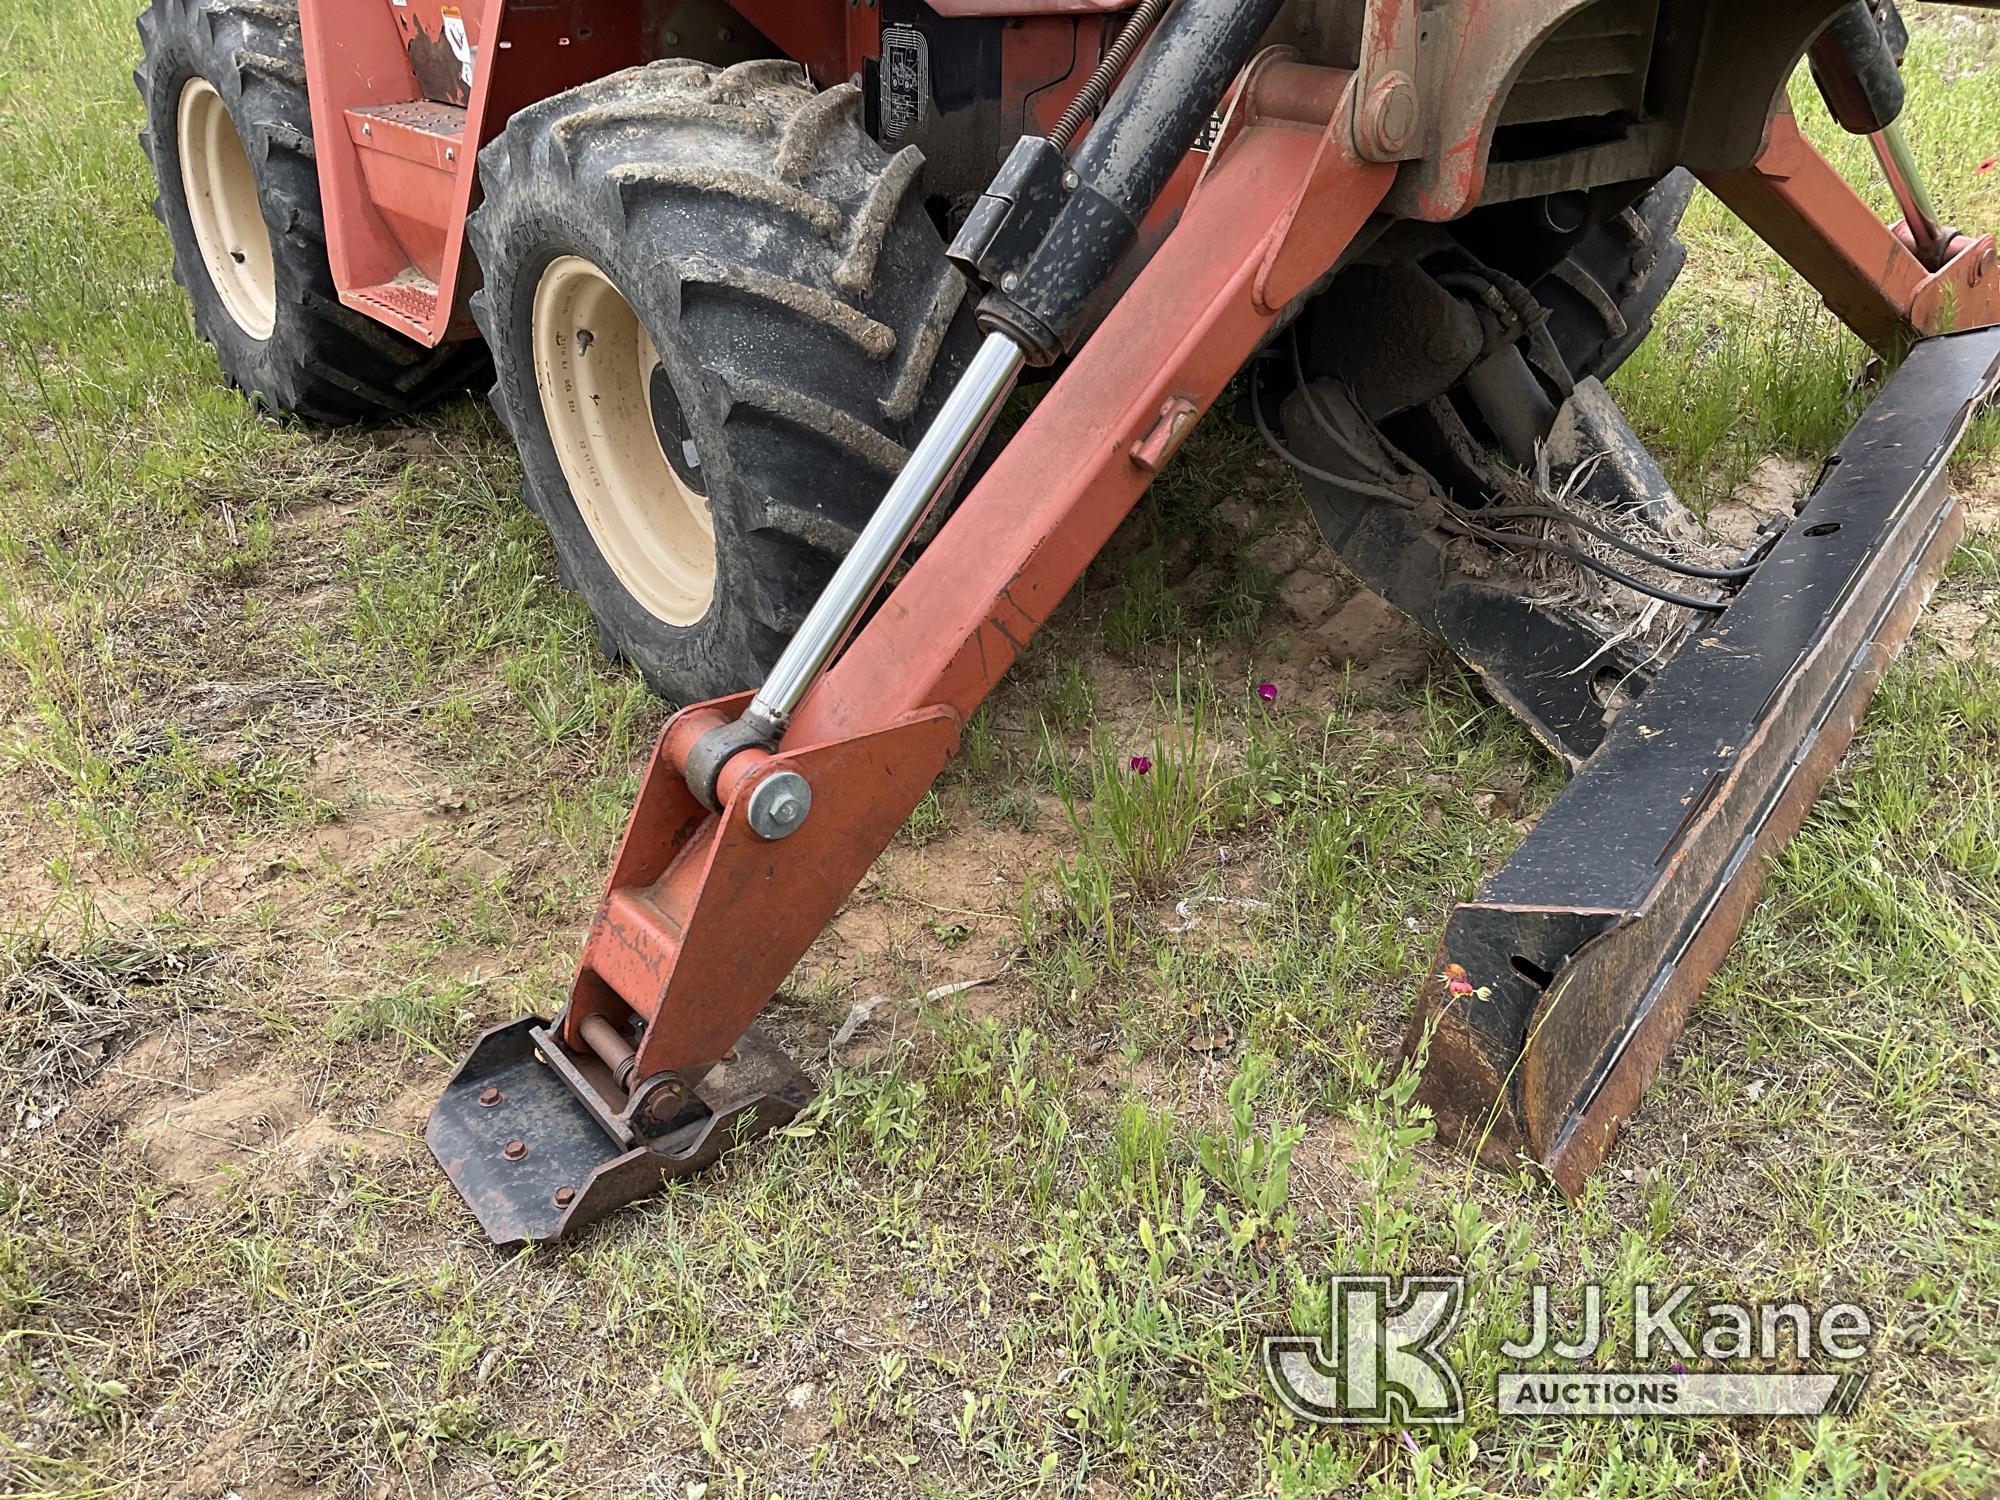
(1383, 1358)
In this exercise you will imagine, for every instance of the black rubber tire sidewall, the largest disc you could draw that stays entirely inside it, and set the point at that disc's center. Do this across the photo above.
(1637, 279)
(322, 360)
(702, 659)
(263, 368)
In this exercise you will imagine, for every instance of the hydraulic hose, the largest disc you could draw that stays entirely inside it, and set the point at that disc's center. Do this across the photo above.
(1152, 121)
(1090, 98)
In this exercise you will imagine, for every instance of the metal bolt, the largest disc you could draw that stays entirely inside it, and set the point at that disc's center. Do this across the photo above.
(514, 1150)
(489, 1096)
(1009, 282)
(451, 153)
(565, 1196)
(1070, 181)
(1388, 118)
(779, 804)
(665, 1100)
(367, 129)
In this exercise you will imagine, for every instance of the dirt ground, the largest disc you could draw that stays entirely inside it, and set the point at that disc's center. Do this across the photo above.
(315, 909)
(261, 1066)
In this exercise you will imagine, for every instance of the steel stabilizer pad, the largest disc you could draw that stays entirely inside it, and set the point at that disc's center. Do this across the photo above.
(533, 1140)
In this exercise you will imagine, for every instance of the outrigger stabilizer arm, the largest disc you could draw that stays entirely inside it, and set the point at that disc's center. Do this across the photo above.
(760, 813)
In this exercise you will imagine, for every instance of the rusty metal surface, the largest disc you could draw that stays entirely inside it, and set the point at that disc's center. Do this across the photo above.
(534, 1164)
(1559, 989)
(441, 73)
(1580, 1145)
(1587, 970)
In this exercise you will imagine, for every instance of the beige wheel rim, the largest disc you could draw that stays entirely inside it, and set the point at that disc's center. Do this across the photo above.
(221, 193)
(595, 366)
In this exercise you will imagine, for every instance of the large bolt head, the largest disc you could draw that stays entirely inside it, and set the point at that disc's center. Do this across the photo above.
(1388, 117)
(664, 1097)
(779, 804)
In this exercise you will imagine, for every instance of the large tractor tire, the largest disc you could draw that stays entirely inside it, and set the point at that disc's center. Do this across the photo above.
(229, 133)
(1602, 298)
(718, 314)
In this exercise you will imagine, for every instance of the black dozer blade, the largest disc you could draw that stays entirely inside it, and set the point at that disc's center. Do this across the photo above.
(1559, 989)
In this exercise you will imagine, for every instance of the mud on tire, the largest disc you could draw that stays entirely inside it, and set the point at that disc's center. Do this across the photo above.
(804, 320)
(1602, 297)
(313, 356)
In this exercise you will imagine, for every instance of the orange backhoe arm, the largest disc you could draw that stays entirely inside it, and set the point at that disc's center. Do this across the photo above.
(703, 920)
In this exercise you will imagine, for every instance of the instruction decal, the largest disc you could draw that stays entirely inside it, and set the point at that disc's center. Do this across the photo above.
(906, 80)
(460, 44)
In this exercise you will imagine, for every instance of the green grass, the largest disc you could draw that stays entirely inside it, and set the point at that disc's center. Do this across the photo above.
(308, 770)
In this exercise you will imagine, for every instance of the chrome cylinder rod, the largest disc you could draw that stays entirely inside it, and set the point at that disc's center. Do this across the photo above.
(1892, 150)
(960, 426)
